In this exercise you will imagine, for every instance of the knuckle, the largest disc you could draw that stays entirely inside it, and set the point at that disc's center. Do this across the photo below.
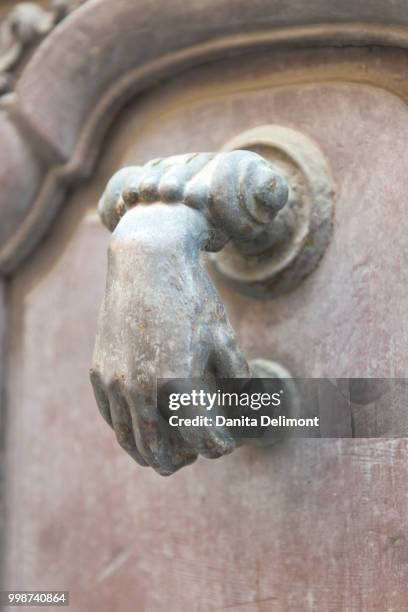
(148, 191)
(196, 195)
(171, 189)
(130, 195)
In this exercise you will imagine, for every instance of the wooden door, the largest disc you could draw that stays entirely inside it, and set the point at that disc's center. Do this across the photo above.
(317, 525)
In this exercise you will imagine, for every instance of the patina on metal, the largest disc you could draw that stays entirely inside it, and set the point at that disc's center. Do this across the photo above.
(289, 249)
(161, 316)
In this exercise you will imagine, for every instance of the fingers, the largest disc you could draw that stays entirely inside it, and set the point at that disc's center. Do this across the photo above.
(161, 448)
(227, 358)
(239, 191)
(117, 416)
(143, 188)
(122, 423)
(147, 437)
(164, 180)
(139, 430)
(226, 361)
(173, 184)
(111, 206)
(101, 397)
(207, 439)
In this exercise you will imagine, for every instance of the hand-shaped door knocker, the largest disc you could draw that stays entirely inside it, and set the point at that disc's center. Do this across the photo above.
(161, 316)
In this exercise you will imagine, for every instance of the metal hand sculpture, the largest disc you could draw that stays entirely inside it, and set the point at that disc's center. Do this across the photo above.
(161, 316)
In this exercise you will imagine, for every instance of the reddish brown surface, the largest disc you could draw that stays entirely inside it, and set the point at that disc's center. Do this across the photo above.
(104, 53)
(312, 525)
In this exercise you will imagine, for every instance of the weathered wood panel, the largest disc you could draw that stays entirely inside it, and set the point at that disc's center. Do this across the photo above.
(310, 525)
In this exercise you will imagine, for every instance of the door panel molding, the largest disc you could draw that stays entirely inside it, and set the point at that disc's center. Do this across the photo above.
(52, 128)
